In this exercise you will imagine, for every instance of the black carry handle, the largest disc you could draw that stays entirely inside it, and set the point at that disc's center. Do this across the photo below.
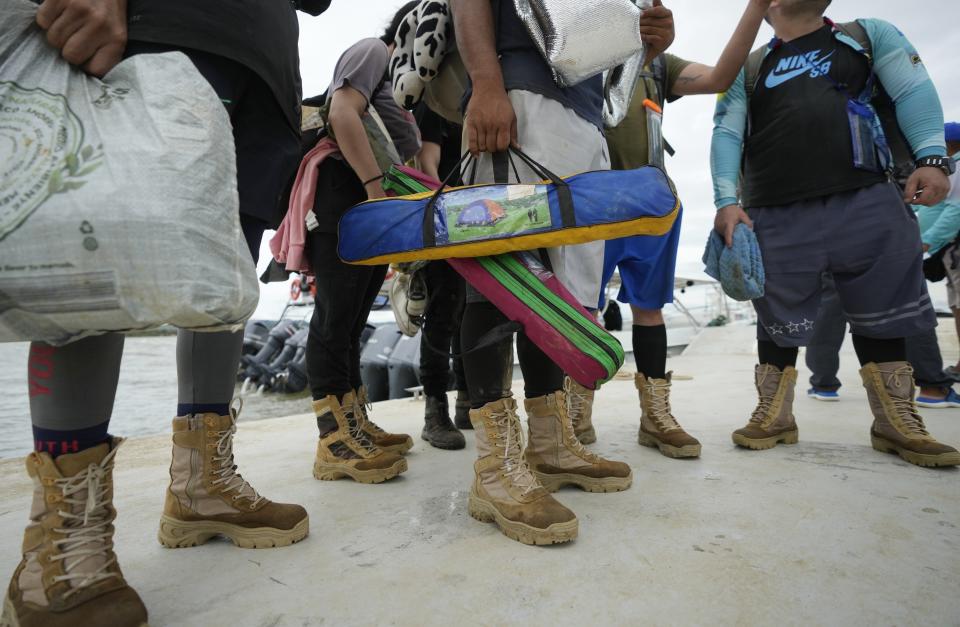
(564, 195)
(494, 336)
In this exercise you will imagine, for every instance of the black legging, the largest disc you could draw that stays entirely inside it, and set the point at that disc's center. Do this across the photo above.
(487, 369)
(345, 295)
(441, 330)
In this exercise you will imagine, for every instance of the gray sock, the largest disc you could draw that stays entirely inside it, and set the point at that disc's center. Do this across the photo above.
(207, 366)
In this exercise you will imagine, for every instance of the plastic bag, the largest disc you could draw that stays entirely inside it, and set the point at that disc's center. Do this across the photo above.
(118, 198)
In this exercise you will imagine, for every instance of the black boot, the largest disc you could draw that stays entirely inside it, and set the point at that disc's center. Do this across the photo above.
(438, 430)
(462, 418)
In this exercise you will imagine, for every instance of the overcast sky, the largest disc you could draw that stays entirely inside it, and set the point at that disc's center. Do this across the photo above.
(703, 27)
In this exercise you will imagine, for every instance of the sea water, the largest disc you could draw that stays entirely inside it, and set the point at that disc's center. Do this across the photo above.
(146, 396)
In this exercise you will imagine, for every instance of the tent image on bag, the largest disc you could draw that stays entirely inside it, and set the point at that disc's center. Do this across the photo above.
(478, 213)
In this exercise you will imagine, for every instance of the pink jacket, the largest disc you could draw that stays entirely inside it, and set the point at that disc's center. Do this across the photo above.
(288, 243)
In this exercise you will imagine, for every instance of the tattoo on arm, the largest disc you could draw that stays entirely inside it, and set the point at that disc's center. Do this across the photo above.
(686, 80)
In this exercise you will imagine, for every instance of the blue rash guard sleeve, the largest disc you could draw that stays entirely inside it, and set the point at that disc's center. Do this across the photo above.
(726, 149)
(945, 226)
(902, 74)
(940, 224)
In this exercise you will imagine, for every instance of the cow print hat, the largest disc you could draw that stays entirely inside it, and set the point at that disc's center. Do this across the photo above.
(422, 40)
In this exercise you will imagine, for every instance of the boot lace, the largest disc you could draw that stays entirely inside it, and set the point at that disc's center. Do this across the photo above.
(659, 399)
(567, 417)
(86, 535)
(576, 402)
(508, 437)
(228, 478)
(356, 418)
(905, 404)
(362, 408)
(764, 406)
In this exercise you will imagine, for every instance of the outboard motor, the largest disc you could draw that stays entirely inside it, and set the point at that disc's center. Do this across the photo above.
(255, 366)
(296, 342)
(403, 366)
(255, 335)
(293, 379)
(373, 361)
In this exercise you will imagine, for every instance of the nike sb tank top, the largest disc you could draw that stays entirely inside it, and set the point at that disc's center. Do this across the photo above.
(799, 145)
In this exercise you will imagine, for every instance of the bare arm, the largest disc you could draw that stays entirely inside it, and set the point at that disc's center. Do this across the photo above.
(428, 159)
(91, 34)
(697, 78)
(490, 120)
(346, 109)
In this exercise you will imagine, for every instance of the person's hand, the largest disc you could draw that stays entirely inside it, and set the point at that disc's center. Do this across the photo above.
(656, 29)
(375, 190)
(491, 121)
(727, 220)
(927, 186)
(91, 34)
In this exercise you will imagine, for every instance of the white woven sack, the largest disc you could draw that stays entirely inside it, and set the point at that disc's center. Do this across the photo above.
(118, 198)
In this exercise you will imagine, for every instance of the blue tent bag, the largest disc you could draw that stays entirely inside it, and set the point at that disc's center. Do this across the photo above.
(484, 220)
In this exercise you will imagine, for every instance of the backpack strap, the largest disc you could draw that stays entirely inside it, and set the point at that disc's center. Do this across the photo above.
(658, 69)
(751, 70)
(855, 31)
(657, 74)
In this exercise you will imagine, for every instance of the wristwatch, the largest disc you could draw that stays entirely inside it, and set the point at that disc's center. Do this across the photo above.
(947, 164)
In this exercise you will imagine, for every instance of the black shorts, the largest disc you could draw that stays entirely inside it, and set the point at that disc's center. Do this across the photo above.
(868, 239)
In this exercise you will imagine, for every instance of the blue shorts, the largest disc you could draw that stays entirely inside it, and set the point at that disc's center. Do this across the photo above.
(647, 266)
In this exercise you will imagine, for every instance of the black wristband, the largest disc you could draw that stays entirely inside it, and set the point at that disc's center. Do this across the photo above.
(376, 178)
(945, 164)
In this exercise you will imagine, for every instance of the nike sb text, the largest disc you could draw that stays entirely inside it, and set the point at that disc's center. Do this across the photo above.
(791, 67)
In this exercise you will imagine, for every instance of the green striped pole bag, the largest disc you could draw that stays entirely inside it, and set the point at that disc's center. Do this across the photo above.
(528, 293)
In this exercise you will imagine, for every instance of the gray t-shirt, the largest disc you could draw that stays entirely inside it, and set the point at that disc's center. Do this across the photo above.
(364, 67)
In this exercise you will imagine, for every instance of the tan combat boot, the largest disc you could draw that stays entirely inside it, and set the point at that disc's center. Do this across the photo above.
(897, 426)
(349, 451)
(558, 458)
(658, 428)
(580, 406)
(69, 574)
(207, 497)
(772, 421)
(390, 442)
(505, 491)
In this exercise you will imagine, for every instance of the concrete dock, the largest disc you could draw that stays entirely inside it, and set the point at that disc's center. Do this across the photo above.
(825, 532)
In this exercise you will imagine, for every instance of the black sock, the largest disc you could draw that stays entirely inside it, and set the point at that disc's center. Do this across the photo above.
(778, 356)
(58, 443)
(878, 351)
(650, 350)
